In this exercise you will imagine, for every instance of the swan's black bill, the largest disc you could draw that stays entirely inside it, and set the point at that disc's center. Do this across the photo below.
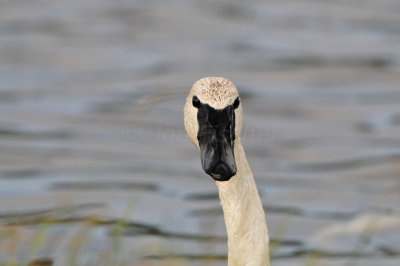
(216, 138)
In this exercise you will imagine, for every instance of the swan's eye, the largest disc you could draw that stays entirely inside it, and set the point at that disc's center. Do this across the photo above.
(236, 103)
(196, 102)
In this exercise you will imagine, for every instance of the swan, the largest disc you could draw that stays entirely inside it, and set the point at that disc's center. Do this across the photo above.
(213, 122)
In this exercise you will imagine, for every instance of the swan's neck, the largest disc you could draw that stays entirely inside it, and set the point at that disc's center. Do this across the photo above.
(248, 240)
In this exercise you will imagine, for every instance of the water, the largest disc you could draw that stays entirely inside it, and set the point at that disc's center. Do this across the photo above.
(95, 167)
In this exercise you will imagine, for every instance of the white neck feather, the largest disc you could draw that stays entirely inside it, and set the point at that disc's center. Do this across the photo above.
(248, 240)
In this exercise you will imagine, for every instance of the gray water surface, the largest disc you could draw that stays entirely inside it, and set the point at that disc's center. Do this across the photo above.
(95, 167)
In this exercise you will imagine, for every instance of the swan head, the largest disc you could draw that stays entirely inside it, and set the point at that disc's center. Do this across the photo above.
(213, 121)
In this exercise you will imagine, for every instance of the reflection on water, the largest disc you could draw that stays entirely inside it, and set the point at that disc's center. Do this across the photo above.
(95, 167)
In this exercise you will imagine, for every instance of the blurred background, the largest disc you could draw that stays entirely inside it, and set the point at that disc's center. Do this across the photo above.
(95, 167)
